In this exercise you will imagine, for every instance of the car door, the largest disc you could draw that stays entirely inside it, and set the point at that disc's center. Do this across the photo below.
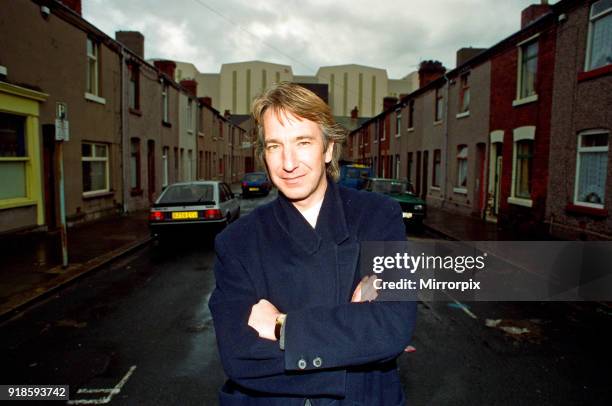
(232, 202)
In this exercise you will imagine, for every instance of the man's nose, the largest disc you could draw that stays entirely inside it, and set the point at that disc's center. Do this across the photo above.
(290, 161)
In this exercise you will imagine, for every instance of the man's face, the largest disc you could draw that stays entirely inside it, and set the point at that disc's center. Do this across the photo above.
(295, 157)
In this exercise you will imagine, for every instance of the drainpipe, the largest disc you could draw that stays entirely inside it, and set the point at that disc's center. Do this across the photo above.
(124, 137)
(445, 144)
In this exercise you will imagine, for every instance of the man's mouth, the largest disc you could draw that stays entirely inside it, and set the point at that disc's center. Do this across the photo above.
(292, 180)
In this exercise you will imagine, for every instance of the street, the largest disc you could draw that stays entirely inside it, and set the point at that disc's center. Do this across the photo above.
(139, 332)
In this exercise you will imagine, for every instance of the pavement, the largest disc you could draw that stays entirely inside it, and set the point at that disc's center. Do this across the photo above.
(31, 262)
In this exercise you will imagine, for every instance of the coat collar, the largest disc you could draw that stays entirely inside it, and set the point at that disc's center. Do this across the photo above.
(331, 223)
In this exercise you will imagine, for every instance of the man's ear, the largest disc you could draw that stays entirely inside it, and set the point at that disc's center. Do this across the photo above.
(329, 153)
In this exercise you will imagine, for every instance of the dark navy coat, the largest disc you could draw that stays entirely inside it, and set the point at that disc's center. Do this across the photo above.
(336, 352)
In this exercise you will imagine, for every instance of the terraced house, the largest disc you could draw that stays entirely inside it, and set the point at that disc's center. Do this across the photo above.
(79, 106)
(517, 133)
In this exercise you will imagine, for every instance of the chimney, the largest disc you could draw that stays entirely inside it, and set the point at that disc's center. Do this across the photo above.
(465, 54)
(533, 12)
(74, 5)
(191, 86)
(389, 102)
(166, 67)
(133, 40)
(355, 112)
(205, 100)
(430, 71)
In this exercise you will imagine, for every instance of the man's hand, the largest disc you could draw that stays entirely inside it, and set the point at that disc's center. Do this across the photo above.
(365, 291)
(263, 319)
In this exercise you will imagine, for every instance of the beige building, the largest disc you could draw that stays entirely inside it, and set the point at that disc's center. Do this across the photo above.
(349, 86)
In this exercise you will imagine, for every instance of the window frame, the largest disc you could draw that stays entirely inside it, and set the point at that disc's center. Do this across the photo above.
(589, 47)
(398, 123)
(463, 91)
(580, 150)
(95, 158)
(439, 106)
(436, 167)
(521, 47)
(411, 115)
(459, 188)
(134, 80)
(526, 133)
(165, 103)
(94, 58)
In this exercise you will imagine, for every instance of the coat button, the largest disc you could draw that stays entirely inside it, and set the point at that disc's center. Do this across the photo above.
(302, 364)
(317, 362)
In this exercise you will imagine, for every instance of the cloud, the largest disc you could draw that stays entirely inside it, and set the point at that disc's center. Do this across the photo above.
(308, 34)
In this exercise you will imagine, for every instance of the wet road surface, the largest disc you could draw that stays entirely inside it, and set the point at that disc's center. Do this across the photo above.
(139, 332)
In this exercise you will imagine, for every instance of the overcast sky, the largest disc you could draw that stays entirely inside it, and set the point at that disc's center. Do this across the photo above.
(307, 34)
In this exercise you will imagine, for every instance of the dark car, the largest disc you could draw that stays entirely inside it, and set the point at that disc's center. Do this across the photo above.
(194, 205)
(355, 175)
(414, 209)
(256, 183)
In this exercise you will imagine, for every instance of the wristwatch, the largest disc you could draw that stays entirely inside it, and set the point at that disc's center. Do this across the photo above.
(280, 319)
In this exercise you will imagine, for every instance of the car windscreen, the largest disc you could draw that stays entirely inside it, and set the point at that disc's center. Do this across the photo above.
(188, 194)
(255, 177)
(389, 187)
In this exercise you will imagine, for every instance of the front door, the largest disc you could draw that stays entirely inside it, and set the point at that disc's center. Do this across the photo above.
(151, 170)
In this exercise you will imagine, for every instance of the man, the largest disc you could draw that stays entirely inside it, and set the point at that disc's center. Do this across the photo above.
(293, 325)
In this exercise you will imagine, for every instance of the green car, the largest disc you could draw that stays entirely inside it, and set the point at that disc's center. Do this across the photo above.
(414, 208)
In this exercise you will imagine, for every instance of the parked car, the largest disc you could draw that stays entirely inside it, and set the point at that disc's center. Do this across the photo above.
(354, 175)
(414, 209)
(255, 183)
(189, 205)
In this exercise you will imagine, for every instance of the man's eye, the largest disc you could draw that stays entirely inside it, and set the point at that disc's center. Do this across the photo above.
(304, 143)
(271, 147)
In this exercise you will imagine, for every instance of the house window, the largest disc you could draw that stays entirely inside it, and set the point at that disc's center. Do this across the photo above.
(135, 164)
(134, 86)
(599, 50)
(462, 166)
(523, 170)
(591, 168)
(437, 160)
(464, 97)
(165, 153)
(13, 157)
(411, 114)
(439, 104)
(165, 104)
(93, 50)
(190, 115)
(398, 123)
(528, 69)
(94, 159)
(382, 130)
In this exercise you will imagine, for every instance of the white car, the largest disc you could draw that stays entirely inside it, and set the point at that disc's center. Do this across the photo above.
(189, 205)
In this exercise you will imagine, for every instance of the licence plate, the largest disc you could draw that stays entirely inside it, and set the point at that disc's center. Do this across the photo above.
(184, 215)
(407, 215)
(253, 189)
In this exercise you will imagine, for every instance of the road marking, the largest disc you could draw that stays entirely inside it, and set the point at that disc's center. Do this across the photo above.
(111, 392)
(465, 309)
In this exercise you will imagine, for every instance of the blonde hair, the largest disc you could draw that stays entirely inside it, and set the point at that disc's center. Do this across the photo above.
(289, 97)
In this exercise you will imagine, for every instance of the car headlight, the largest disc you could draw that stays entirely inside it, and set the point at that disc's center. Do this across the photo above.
(418, 207)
